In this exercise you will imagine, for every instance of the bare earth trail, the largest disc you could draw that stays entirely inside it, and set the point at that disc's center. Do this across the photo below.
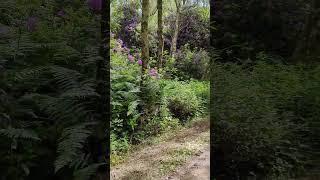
(198, 168)
(183, 155)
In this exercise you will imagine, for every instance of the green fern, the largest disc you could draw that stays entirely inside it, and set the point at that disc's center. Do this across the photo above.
(31, 73)
(70, 144)
(13, 133)
(87, 172)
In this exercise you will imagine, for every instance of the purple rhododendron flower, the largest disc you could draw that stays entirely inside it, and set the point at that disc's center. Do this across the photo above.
(153, 72)
(61, 13)
(131, 58)
(120, 41)
(140, 62)
(95, 5)
(32, 23)
(129, 28)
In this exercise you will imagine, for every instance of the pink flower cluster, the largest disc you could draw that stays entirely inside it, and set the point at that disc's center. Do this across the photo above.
(153, 73)
(120, 47)
(132, 58)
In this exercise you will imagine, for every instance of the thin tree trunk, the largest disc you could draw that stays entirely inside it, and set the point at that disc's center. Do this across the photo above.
(160, 33)
(102, 150)
(176, 30)
(145, 58)
(144, 35)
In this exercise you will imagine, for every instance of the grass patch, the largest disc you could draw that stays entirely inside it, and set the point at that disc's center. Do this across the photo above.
(176, 158)
(116, 159)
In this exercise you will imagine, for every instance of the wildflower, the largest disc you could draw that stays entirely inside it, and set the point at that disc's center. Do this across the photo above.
(120, 41)
(95, 5)
(153, 72)
(140, 62)
(61, 13)
(131, 58)
(129, 28)
(31, 23)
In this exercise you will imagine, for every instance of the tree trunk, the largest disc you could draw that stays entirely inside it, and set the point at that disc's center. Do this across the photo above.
(144, 35)
(145, 58)
(160, 33)
(176, 30)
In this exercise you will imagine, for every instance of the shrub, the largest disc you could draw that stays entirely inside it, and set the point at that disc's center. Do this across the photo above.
(260, 127)
(190, 64)
(125, 91)
(181, 99)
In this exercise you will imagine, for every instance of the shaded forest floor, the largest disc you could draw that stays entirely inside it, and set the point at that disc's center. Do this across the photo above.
(183, 154)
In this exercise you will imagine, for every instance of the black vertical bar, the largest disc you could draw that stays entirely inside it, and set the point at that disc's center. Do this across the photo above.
(103, 88)
(212, 10)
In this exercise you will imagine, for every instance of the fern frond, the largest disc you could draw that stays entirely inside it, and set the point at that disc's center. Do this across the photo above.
(13, 133)
(87, 172)
(70, 144)
(31, 73)
(81, 92)
(89, 56)
(64, 52)
(66, 78)
(81, 161)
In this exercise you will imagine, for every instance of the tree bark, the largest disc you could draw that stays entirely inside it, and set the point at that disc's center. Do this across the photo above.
(160, 33)
(176, 30)
(144, 35)
(145, 58)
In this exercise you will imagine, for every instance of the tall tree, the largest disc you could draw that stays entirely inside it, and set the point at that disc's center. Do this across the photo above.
(160, 33)
(144, 35)
(176, 29)
(144, 54)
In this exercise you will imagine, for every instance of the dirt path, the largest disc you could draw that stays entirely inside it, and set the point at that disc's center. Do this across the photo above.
(184, 155)
(198, 168)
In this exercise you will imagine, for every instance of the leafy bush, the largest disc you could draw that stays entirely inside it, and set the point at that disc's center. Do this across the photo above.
(181, 99)
(191, 63)
(194, 28)
(125, 89)
(263, 120)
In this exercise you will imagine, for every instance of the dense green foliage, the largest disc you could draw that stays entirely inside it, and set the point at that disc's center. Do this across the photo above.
(170, 102)
(151, 100)
(48, 99)
(266, 120)
(286, 29)
(265, 84)
(265, 88)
